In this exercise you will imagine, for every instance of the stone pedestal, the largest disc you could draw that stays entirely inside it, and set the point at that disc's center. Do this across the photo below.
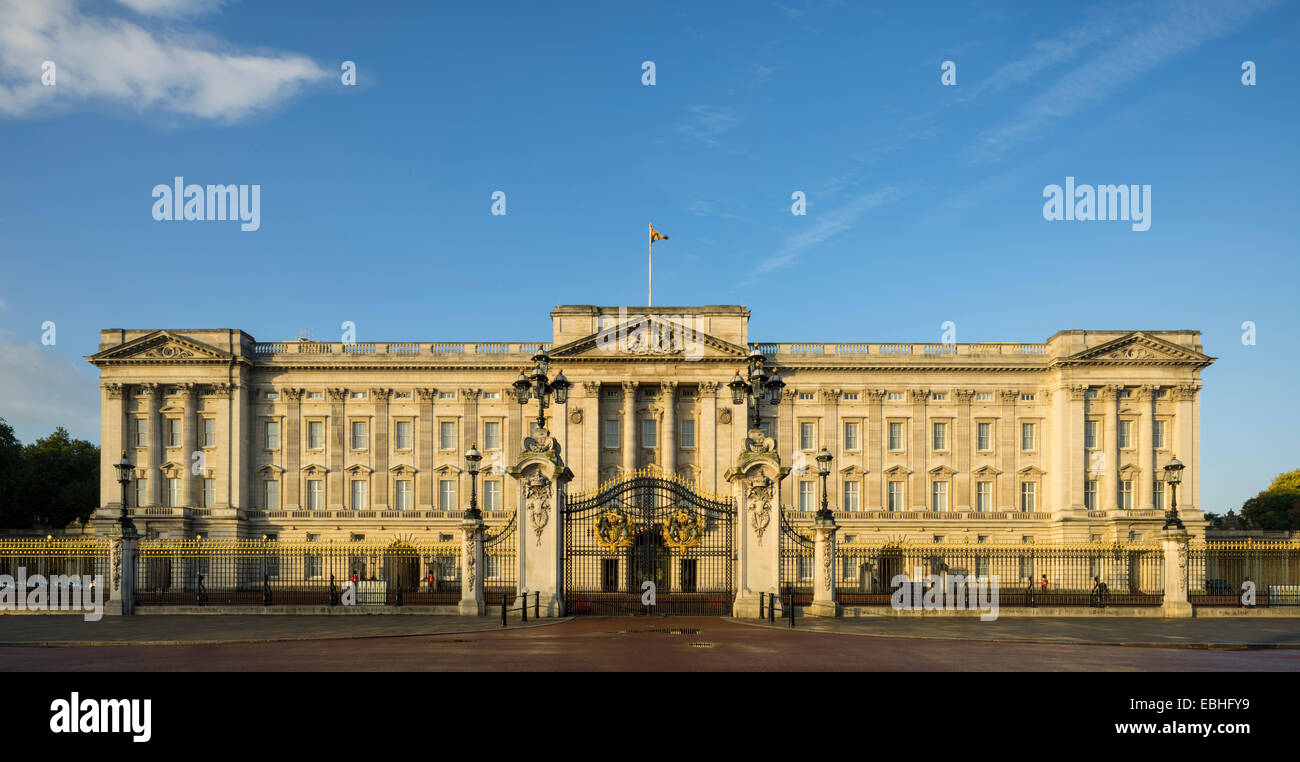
(121, 582)
(1174, 543)
(542, 478)
(471, 565)
(823, 603)
(755, 481)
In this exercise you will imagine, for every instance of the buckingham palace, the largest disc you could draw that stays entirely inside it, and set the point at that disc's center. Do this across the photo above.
(1062, 441)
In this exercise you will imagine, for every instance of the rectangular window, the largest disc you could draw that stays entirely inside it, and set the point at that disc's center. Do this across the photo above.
(402, 494)
(1125, 434)
(1090, 494)
(209, 432)
(1028, 496)
(688, 434)
(446, 495)
(403, 435)
(803, 567)
(492, 495)
(851, 490)
(174, 493)
(142, 432)
(940, 431)
(141, 492)
(895, 435)
(851, 436)
(209, 493)
(1090, 434)
(315, 494)
(984, 436)
(1027, 436)
(896, 496)
(1126, 495)
(1158, 435)
(649, 434)
(173, 432)
(1124, 394)
(492, 435)
(447, 435)
(271, 495)
(850, 395)
(315, 435)
(1158, 495)
(939, 496)
(983, 396)
(984, 496)
(939, 397)
(805, 395)
(894, 396)
(807, 435)
(313, 567)
(358, 435)
(360, 500)
(272, 431)
(611, 435)
(807, 499)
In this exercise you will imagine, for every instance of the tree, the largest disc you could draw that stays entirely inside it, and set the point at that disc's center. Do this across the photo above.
(1287, 482)
(11, 457)
(56, 484)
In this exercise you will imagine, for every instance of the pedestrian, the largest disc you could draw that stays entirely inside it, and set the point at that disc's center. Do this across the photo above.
(1044, 583)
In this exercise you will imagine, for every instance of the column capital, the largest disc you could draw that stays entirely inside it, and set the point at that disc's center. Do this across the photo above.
(291, 394)
(426, 395)
(708, 388)
(1009, 396)
(336, 395)
(1186, 392)
(832, 395)
(788, 395)
(591, 388)
(113, 390)
(381, 395)
(151, 389)
(220, 391)
(471, 395)
(1146, 392)
(1078, 392)
(964, 396)
(918, 396)
(875, 396)
(1110, 392)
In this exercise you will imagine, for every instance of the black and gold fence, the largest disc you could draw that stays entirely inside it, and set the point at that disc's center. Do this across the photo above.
(79, 557)
(1262, 573)
(501, 562)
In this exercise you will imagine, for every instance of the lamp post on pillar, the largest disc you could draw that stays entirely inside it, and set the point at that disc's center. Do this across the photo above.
(824, 529)
(122, 585)
(1174, 544)
(471, 583)
(1173, 475)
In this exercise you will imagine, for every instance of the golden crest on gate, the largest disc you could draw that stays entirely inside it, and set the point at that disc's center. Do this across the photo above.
(683, 528)
(613, 529)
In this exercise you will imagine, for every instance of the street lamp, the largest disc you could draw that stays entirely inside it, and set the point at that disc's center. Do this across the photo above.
(124, 471)
(536, 384)
(1173, 475)
(472, 459)
(758, 383)
(824, 516)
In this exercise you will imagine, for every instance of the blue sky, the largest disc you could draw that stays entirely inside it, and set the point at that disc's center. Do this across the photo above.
(924, 202)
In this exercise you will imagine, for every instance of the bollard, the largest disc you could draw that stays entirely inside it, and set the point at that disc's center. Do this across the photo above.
(266, 590)
(537, 604)
(760, 605)
(791, 589)
(503, 609)
(523, 607)
(771, 609)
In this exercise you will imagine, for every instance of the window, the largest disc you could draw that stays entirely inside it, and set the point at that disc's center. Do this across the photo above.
(851, 436)
(940, 436)
(807, 499)
(486, 395)
(357, 395)
(491, 567)
(1158, 494)
(1124, 394)
(209, 432)
(141, 492)
(1090, 434)
(447, 435)
(272, 430)
(173, 432)
(805, 395)
(1027, 397)
(174, 492)
(803, 567)
(272, 395)
(1027, 436)
(403, 435)
(983, 396)
(894, 396)
(851, 502)
(1158, 394)
(938, 538)
(209, 493)
(895, 435)
(360, 500)
(649, 434)
(358, 435)
(939, 397)
(807, 435)
(688, 434)
(1126, 495)
(984, 496)
(984, 436)
(492, 495)
(316, 395)
(492, 435)
(271, 495)
(313, 567)
(1090, 394)
(939, 496)
(315, 435)
(895, 496)
(402, 494)
(142, 432)
(1090, 494)
(1125, 434)
(315, 494)
(446, 495)
(850, 395)
(1158, 435)
(611, 435)
(446, 395)
(1028, 497)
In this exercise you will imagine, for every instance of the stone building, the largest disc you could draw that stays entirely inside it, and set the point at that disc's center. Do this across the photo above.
(1003, 442)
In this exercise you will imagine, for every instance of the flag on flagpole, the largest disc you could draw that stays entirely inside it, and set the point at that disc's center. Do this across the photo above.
(655, 235)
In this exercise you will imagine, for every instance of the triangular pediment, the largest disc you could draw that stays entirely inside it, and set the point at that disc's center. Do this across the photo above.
(650, 337)
(898, 470)
(1139, 348)
(161, 347)
(986, 470)
(1031, 471)
(942, 471)
(852, 470)
(314, 469)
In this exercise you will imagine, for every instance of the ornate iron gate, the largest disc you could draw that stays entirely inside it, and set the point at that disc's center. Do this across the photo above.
(649, 529)
(797, 554)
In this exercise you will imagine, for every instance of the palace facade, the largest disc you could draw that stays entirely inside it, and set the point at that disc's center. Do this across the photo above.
(997, 442)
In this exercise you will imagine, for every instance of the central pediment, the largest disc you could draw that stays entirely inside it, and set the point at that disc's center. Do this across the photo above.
(651, 337)
(162, 347)
(1139, 348)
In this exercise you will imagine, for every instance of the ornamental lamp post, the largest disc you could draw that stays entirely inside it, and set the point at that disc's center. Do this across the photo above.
(1173, 476)
(537, 384)
(824, 516)
(472, 459)
(758, 383)
(124, 472)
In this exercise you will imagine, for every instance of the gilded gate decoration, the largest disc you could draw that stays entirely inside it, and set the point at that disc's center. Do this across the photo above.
(649, 528)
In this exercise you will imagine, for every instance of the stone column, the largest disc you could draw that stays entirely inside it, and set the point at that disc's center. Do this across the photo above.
(291, 446)
(962, 448)
(589, 461)
(919, 489)
(706, 444)
(1187, 447)
(1076, 456)
(380, 448)
(122, 581)
(823, 603)
(629, 426)
(425, 499)
(833, 439)
(189, 441)
(1008, 498)
(787, 437)
(471, 564)
(543, 479)
(874, 444)
(668, 445)
(1174, 544)
(115, 438)
(153, 473)
(224, 468)
(336, 445)
(1146, 451)
(755, 481)
(1109, 486)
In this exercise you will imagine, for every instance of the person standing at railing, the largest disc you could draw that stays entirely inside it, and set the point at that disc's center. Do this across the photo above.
(1044, 583)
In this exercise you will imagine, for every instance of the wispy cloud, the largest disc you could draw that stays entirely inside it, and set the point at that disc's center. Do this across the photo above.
(115, 60)
(1045, 54)
(827, 226)
(707, 124)
(44, 389)
(1185, 27)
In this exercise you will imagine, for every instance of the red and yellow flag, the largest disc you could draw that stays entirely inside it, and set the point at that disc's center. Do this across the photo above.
(655, 235)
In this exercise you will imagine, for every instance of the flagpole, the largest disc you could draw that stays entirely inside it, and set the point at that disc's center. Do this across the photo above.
(650, 260)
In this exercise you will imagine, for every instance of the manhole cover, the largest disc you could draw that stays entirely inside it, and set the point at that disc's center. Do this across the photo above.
(701, 645)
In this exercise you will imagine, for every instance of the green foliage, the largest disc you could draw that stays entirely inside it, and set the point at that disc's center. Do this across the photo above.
(1287, 482)
(52, 482)
(1273, 509)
